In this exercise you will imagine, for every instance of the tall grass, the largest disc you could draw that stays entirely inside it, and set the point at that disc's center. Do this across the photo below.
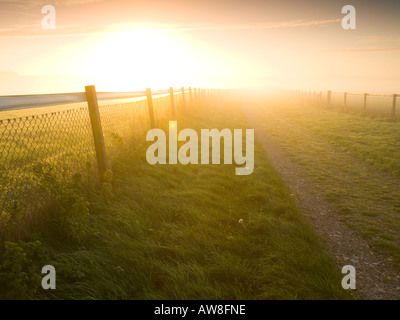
(176, 232)
(352, 160)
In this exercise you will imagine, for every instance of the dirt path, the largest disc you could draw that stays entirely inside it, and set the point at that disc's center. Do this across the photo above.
(376, 277)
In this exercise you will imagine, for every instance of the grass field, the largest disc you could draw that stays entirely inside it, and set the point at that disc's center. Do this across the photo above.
(173, 232)
(353, 160)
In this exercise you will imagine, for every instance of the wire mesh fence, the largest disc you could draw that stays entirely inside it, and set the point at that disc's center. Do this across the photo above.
(39, 150)
(35, 151)
(380, 105)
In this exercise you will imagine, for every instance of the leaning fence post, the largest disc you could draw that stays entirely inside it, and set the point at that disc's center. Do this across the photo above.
(91, 98)
(394, 106)
(365, 103)
(171, 95)
(329, 98)
(150, 107)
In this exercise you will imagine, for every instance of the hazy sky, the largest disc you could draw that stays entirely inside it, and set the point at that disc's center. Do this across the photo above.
(130, 45)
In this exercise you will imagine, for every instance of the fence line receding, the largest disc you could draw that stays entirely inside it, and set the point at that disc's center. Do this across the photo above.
(366, 103)
(38, 150)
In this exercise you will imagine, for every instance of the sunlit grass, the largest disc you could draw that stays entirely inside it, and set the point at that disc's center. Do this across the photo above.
(352, 159)
(187, 232)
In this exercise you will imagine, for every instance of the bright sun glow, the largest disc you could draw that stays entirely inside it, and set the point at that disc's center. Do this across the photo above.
(142, 58)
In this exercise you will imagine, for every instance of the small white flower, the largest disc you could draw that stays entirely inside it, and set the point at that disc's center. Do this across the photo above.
(241, 222)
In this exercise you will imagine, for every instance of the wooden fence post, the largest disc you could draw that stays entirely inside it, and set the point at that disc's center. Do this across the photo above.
(150, 107)
(183, 97)
(365, 103)
(345, 101)
(394, 106)
(190, 96)
(95, 121)
(171, 95)
(328, 95)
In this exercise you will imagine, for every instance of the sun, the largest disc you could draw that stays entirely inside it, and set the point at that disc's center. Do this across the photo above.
(127, 60)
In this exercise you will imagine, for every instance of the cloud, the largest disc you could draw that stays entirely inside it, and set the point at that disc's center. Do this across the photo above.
(380, 39)
(252, 26)
(367, 49)
(77, 30)
(28, 4)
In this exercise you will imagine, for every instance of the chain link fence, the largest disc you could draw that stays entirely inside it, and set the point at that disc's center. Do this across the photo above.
(39, 151)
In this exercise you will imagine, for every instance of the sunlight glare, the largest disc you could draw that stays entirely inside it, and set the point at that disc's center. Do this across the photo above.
(137, 59)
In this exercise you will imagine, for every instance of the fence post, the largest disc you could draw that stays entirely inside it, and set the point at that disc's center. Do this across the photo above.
(95, 121)
(190, 96)
(171, 95)
(345, 101)
(394, 106)
(150, 107)
(365, 103)
(183, 97)
(328, 95)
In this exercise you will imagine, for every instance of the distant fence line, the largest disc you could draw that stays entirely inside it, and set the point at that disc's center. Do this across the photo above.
(95, 120)
(37, 149)
(385, 105)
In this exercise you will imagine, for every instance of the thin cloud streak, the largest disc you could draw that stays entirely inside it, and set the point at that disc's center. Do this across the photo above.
(77, 30)
(27, 4)
(368, 49)
(380, 39)
(251, 26)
